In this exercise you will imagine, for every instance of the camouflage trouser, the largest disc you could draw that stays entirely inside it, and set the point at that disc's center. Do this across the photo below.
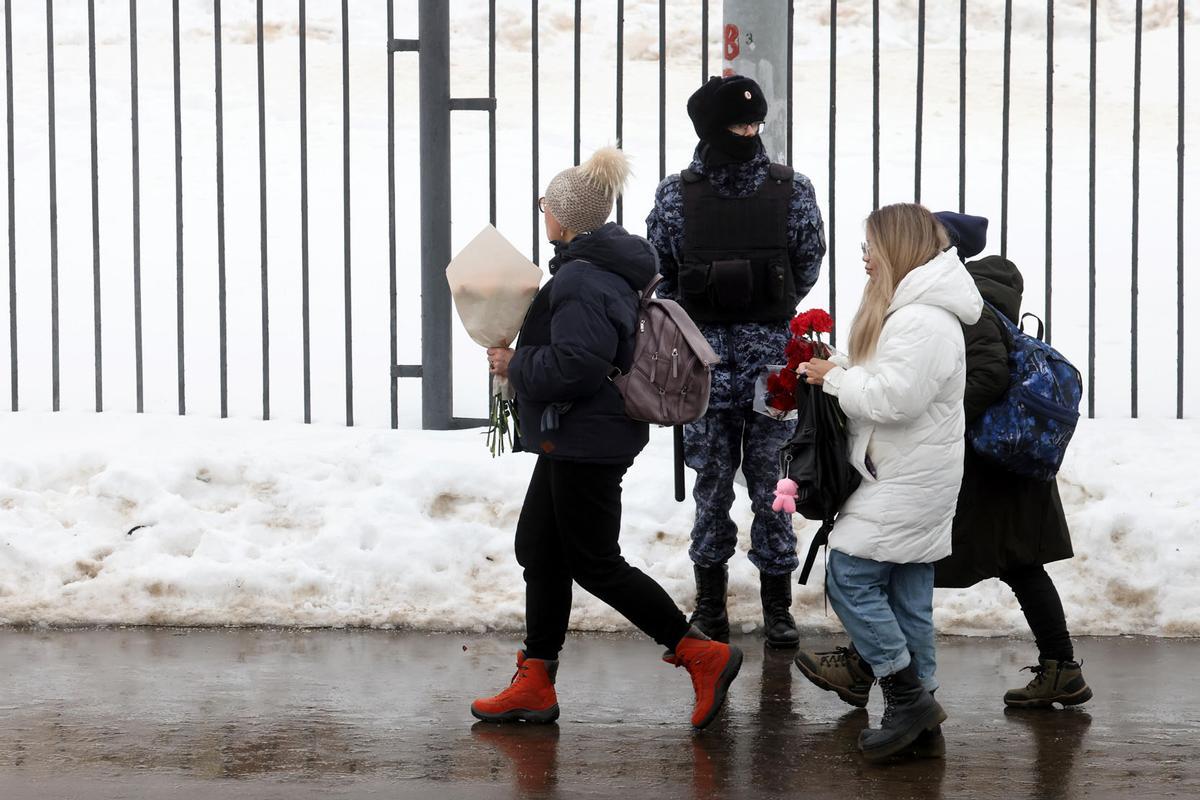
(714, 447)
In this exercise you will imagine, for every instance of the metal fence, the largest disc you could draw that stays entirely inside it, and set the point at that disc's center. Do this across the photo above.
(436, 105)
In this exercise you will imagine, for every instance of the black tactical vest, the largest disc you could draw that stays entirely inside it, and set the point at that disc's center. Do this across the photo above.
(735, 265)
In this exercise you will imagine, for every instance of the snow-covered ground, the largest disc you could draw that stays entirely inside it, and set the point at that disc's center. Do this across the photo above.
(245, 522)
(160, 520)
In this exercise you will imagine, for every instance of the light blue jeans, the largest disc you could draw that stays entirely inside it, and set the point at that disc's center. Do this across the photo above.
(888, 611)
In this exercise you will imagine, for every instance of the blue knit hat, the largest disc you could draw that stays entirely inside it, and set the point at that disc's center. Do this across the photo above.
(968, 233)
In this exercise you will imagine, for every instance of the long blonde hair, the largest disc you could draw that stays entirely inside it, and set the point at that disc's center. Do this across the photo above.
(901, 238)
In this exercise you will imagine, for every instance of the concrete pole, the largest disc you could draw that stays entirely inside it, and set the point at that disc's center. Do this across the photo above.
(755, 39)
(437, 399)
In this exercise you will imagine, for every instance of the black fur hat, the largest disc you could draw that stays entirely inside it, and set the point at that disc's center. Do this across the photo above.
(722, 102)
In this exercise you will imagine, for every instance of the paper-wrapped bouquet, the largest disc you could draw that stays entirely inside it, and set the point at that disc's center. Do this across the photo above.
(492, 284)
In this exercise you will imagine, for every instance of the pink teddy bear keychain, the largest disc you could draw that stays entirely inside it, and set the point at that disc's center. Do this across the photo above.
(785, 496)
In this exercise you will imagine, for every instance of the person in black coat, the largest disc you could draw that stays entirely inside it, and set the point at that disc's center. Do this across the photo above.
(1006, 526)
(581, 324)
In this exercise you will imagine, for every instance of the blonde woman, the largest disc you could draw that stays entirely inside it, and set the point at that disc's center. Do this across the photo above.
(902, 391)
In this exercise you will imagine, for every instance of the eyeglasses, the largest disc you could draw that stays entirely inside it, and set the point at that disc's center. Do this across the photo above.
(866, 249)
(541, 204)
(748, 128)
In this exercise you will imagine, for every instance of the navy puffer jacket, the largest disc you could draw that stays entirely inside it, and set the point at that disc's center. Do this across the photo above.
(581, 324)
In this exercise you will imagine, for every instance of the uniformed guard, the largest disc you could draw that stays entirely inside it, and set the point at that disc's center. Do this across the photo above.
(740, 242)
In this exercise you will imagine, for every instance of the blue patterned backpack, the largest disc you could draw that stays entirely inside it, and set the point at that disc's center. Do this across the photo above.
(1027, 430)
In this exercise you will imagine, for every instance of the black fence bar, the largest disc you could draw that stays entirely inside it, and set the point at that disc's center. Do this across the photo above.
(96, 319)
(137, 203)
(920, 122)
(1049, 306)
(1091, 388)
(703, 41)
(791, 44)
(491, 112)
(662, 89)
(304, 288)
(1137, 180)
(223, 330)
(874, 104)
(1006, 113)
(262, 216)
(12, 209)
(536, 180)
(179, 309)
(55, 384)
(1179, 224)
(578, 57)
(620, 111)
(472, 104)
(349, 305)
(393, 352)
(831, 212)
(962, 107)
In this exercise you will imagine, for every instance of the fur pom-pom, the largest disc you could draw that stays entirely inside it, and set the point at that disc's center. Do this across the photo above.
(608, 168)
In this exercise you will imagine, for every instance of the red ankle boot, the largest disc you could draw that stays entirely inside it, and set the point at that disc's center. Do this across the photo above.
(529, 697)
(713, 666)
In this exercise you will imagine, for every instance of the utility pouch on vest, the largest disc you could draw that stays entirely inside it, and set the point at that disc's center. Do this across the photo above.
(693, 281)
(732, 284)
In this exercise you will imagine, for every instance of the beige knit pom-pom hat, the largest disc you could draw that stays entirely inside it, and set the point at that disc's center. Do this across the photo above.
(581, 198)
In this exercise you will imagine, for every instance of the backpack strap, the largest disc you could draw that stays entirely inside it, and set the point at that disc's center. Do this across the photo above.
(819, 541)
(648, 292)
(1041, 325)
(688, 176)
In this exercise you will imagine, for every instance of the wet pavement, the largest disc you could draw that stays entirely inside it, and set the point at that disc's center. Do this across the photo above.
(169, 713)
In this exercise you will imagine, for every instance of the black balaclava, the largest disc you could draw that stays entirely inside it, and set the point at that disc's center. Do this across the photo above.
(722, 102)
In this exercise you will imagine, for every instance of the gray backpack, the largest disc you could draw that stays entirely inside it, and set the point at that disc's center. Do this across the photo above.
(669, 380)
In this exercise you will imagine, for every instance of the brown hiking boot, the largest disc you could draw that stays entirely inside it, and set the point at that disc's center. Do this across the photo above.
(1053, 682)
(842, 671)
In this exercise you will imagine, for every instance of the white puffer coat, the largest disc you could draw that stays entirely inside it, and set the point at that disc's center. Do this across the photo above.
(905, 410)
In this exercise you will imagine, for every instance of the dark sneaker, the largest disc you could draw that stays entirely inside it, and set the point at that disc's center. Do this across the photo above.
(841, 671)
(1053, 682)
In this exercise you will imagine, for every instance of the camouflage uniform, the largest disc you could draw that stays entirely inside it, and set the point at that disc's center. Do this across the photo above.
(732, 433)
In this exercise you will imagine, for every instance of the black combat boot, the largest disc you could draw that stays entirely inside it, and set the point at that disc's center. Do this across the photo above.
(776, 593)
(910, 710)
(710, 615)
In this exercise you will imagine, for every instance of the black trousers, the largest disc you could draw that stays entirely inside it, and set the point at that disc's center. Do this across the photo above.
(1043, 610)
(568, 532)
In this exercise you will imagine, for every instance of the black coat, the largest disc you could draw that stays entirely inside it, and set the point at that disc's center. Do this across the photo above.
(580, 325)
(1004, 521)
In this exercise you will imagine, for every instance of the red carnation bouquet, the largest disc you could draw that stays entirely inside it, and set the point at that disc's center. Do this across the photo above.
(778, 385)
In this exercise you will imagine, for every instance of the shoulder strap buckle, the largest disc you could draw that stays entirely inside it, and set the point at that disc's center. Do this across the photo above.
(780, 172)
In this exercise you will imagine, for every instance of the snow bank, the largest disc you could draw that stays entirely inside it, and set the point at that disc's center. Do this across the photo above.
(164, 520)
